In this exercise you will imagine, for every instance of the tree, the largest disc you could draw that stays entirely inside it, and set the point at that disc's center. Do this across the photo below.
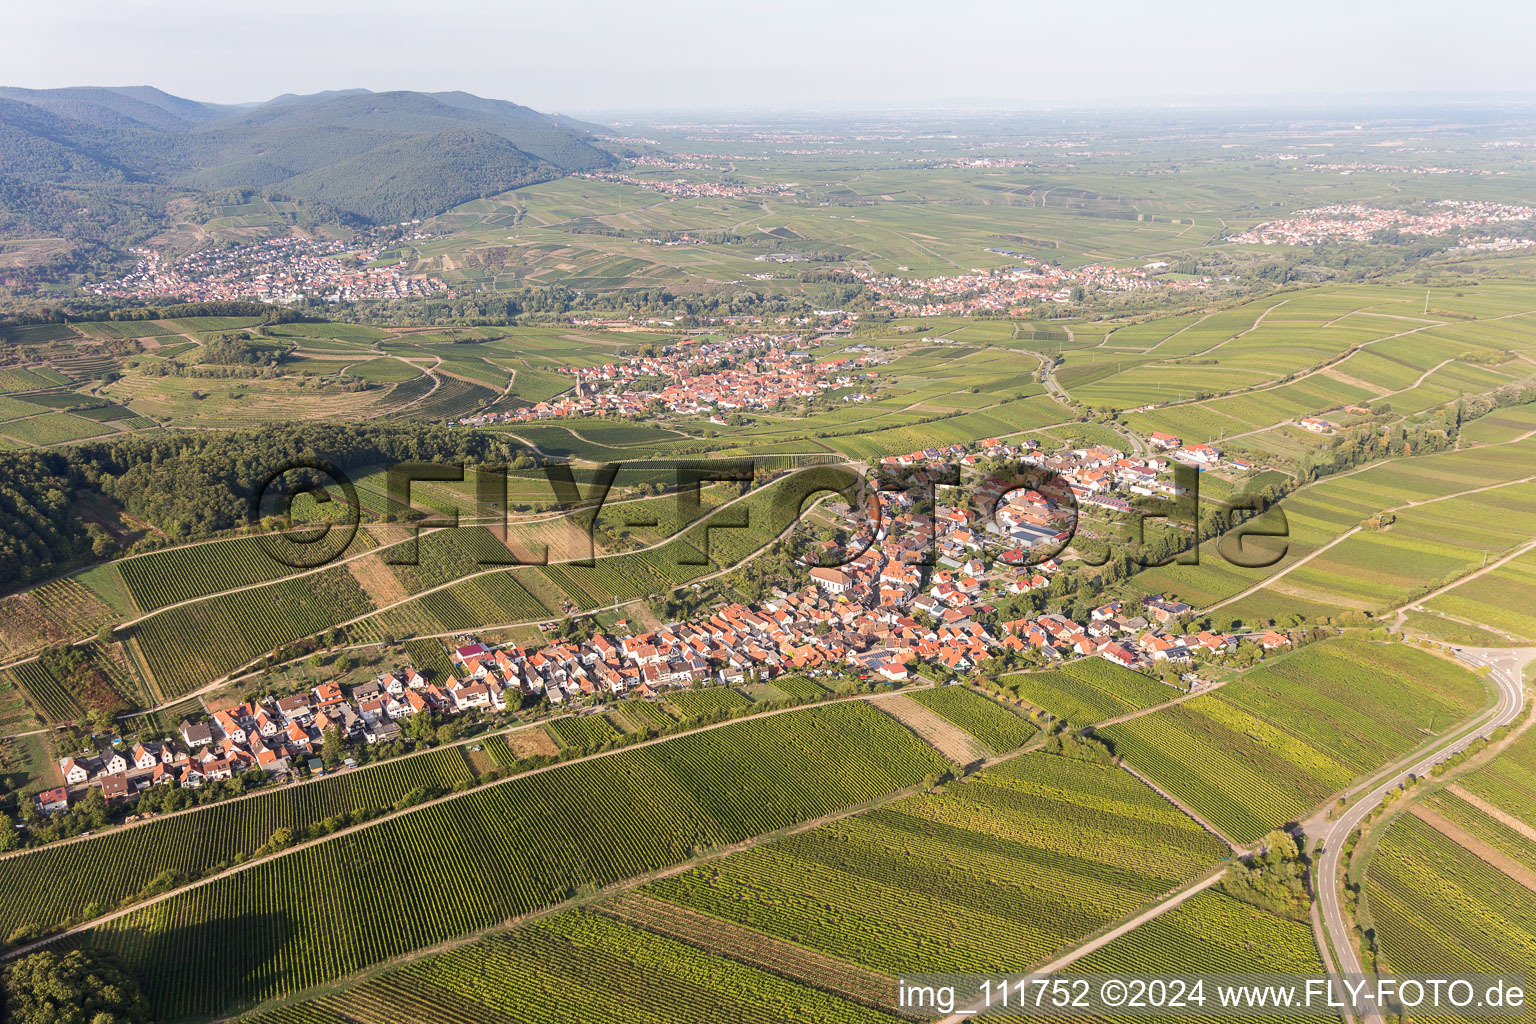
(330, 746)
(78, 987)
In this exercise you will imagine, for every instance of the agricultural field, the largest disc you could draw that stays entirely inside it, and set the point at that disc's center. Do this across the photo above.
(236, 628)
(600, 969)
(582, 733)
(1087, 691)
(707, 702)
(993, 874)
(1269, 746)
(57, 885)
(1000, 728)
(1222, 935)
(517, 846)
(197, 570)
(1453, 509)
(1438, 906)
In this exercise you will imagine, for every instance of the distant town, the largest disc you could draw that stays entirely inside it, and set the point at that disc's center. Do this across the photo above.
(283, 270)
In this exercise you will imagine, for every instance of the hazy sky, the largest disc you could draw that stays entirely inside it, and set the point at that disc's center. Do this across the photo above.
(608, 55)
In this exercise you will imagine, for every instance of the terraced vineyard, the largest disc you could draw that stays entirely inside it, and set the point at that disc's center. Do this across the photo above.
(475, 860)
(233, 629)
(1088, 691)
(579, 966)
(196, 570)
(993, 874)
(47, 887)
(990, 722)
(1268, 747)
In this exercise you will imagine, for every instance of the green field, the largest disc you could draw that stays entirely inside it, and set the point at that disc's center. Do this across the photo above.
(579, 966)
(998, 727)
(514, 847)
(1268, 747)
(1087, 691)
(993, 874)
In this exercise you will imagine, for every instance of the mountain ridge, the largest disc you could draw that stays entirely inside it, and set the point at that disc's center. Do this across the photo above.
(379, 156)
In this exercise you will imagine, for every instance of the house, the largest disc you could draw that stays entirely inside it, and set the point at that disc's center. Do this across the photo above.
(296, 708)
(1165, 441)
(74, 771)
(1272, 640)
(144, 757)
(327, 695)
(115, 764)
(1203, 454)
(229, 725)
(469, 652)
(196, 734)
(53, 800)
(380, 730)
(114, 786)
(1317, 425)
(1117, 654)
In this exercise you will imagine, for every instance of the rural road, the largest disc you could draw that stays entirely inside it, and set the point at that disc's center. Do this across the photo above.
(1506, 666)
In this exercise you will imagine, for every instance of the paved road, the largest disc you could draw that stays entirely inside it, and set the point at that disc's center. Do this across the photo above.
(1506, 664)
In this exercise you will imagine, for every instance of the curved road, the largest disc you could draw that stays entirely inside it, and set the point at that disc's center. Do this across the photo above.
(1506, 666)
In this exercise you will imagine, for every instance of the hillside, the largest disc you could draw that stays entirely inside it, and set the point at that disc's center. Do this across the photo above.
(376, 156)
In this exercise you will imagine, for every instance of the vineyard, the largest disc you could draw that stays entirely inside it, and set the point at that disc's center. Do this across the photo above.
(1087, 691)
(799, 687)
(196, 570)
(995, 873)
(990, 722)
(707, 702)
(44, 887)
(644, 712)
(1268, 747)
(1220, 934)
(1509, 780)
(588, 732)
(470, 862)
(63, 685)
(193, 644)
(430, 658)
(1437, 907)
(578, 967)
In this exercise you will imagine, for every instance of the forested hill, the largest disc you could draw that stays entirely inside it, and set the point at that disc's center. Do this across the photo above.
(377, 156)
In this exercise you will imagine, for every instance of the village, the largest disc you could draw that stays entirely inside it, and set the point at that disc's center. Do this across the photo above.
(1013, 289)
(1352, 222)
(710, 378)
(681, 188)
(880, 614)
(283, 270)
